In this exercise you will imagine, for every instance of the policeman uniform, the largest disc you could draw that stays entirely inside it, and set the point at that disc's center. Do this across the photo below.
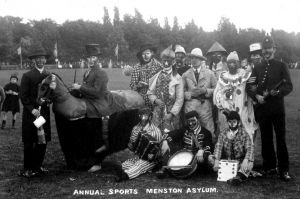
(271, 114)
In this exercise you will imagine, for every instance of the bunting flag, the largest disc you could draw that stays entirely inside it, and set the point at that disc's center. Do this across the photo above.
(55, 50)
(19, 50)
(117, 50)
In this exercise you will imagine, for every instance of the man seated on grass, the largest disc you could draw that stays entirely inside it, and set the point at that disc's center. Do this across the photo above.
(194, 137)
(234, 143)
(137, 166)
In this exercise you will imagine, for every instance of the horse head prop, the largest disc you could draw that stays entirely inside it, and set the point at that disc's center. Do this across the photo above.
(53, 90)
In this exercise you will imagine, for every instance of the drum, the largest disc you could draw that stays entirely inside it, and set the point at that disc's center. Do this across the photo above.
(147, 147)
(182, 164)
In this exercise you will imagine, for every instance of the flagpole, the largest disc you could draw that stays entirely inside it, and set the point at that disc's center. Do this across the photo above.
(21, 66)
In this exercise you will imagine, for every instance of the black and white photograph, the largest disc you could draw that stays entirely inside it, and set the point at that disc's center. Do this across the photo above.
(149, 99)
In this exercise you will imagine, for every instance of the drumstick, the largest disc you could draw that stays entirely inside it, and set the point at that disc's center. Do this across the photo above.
(180, 167)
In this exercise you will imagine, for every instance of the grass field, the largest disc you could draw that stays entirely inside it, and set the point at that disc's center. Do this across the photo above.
(62, 183)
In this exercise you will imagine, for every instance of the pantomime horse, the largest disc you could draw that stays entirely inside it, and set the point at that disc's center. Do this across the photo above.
(73, 127)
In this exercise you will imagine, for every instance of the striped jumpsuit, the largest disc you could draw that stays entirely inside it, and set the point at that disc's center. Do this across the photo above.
(135, 167)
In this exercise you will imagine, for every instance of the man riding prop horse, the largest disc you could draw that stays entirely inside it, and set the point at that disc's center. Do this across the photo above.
(95, 102)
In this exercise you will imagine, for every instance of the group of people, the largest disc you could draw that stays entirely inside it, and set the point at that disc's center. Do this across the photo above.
(213, 110)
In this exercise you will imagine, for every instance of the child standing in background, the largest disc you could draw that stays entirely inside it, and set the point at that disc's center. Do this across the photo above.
(11, 102)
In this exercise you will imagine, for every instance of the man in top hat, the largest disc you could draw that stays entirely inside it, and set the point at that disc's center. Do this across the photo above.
(255, 51)
(144, 70)
(166, 93)
(180, 64)
(11, 102)
(234, 143)
(230, 95)
(269, 83)
(199, 83)
(217, 53)
(100, 102)
(34, 151)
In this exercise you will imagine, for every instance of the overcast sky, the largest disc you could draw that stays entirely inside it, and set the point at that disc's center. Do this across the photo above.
(260, 14)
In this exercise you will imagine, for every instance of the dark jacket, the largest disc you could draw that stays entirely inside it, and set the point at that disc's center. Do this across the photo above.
(264, 77)
(204, 138)
(11, 102)
(2, 97)
(29, 91)
(100, 101)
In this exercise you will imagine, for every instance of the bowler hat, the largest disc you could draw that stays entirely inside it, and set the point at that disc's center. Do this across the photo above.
(268, 42)
(36, 52)
(145, 47)
(92, 50)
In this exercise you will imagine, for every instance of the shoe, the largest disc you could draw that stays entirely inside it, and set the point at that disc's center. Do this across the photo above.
(266, 172)
(161, 174)
(101, 149)
(285, 176)
(27, 173)
(96, 167)
(237, 180)
(41, 170)
(122, 176)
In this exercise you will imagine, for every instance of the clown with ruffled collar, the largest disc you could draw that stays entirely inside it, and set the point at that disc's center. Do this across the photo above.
(230, 95)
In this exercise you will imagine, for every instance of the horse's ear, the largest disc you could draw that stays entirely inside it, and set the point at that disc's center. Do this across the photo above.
(53, 77)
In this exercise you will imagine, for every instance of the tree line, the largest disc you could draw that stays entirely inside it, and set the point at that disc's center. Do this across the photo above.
(129, 33)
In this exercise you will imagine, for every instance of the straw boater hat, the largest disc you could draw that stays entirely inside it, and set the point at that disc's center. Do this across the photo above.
(197, 52)
(146, 47)
(92, 50)
(216, 47)
(255, 47)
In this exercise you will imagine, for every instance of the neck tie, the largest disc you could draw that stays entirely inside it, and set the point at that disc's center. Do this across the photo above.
(196, 75)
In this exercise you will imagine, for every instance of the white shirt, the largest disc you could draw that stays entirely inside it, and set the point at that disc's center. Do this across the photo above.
(40, 70)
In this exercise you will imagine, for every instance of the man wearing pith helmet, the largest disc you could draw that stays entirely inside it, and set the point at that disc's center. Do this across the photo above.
(180, 55)
(269, 83)
(166, 93)
(200, 83)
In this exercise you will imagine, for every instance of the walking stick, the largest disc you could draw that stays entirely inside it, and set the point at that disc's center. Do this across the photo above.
(75, 74)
